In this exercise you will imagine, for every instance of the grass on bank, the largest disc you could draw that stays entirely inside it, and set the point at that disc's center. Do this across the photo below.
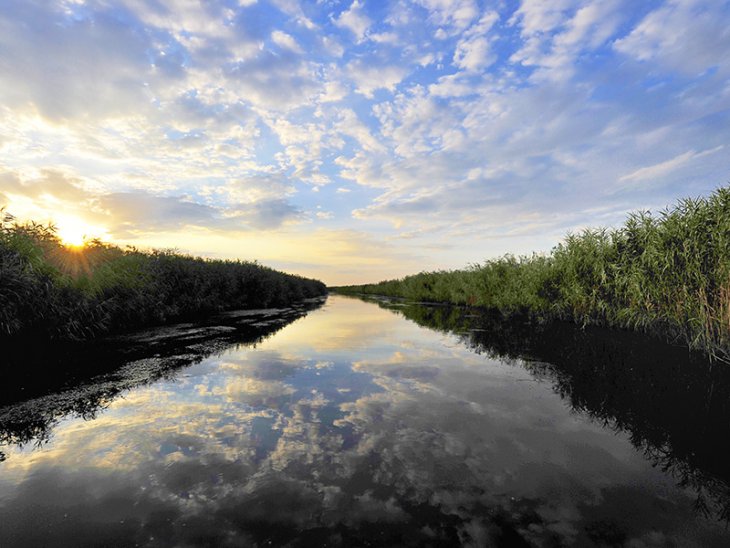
(666, 274)
(49, 290)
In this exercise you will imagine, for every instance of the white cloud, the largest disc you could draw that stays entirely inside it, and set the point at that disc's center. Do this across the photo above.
(417, 124)
(334, 91)
(661, 169)
(370, 78)
(349, 124)
(295, 10)
(277, 82)
(473, 51)
(452, 85)
(473, 54)
(455, 14)
(332, 46)
(541, 16)
(354, 20)
(102, 80)
(286, 41)
(690, 36)
(556, 33)
(258, 187)
(384, 37)
(181, 16)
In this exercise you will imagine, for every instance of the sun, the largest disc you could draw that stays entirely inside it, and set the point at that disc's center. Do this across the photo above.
(73, 232)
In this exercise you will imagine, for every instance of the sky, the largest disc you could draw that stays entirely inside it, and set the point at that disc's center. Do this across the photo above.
(357, 141)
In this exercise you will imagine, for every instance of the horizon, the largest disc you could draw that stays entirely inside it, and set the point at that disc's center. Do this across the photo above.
(354, 142)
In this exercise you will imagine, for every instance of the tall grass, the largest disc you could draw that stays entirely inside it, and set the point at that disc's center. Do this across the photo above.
(50, 290)
(665, 273)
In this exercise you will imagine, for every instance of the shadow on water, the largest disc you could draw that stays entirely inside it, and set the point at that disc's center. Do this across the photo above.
(673, 404)
(41, 384)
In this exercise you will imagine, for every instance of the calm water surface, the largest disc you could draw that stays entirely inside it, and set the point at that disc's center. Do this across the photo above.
(368, 424)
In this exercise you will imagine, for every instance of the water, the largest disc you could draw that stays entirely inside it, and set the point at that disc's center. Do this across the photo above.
(370, 424)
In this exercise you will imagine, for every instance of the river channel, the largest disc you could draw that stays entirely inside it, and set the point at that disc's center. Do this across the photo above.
(354, 423)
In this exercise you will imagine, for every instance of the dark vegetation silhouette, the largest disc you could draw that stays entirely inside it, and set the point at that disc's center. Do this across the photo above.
(665, 274)
(52, 291)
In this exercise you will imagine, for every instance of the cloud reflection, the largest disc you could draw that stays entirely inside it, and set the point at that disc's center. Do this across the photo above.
(416, 442)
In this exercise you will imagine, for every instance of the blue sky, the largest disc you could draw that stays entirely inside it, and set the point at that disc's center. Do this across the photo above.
(356, 141)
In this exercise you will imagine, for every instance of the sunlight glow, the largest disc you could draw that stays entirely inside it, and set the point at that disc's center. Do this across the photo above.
(74, 232)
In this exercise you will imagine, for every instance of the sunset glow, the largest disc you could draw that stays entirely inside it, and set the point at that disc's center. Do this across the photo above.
(74, 232)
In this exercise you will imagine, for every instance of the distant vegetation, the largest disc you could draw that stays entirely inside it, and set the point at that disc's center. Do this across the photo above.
(49, 290)
(667, 274)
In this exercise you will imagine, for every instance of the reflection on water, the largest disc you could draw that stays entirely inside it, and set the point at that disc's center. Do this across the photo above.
(673, 405)
(81, 380)
(354, 426)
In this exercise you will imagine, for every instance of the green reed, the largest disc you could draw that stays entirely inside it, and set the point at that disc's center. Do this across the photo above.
(50, 290)
(666, 274)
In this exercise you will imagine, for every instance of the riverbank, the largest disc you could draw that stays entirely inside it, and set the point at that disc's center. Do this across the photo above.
(52, 291)
(667, 274)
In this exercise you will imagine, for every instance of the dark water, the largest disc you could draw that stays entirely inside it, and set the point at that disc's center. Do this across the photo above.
(367, 424)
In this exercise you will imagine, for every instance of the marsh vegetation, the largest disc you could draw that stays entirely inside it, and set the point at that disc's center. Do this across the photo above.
(51, 290)
(666, 274)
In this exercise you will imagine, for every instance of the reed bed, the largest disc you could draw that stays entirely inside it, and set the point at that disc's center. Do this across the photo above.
(667, 274)
(52, 291)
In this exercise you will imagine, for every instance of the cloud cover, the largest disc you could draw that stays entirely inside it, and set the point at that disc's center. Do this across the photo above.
(428, 134)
